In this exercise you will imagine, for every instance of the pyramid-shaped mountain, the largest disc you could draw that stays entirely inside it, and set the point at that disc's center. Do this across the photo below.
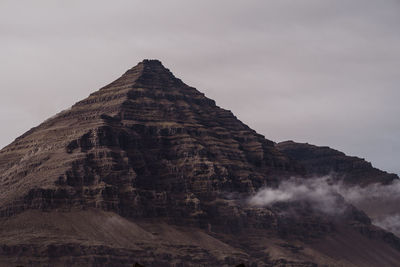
(148, 170)
(141, 146)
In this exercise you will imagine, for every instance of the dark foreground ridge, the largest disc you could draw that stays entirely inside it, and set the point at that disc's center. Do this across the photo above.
(149, 170)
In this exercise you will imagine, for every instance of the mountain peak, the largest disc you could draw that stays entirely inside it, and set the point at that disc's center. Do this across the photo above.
(148, 73)
(153, 62)
(147, 65)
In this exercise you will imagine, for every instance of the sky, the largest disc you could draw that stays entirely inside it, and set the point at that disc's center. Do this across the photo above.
(323, 72)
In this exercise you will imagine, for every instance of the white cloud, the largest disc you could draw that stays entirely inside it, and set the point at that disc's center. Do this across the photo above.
(325, 194)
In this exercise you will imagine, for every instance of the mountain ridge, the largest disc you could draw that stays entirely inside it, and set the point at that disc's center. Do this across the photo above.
(323, 160)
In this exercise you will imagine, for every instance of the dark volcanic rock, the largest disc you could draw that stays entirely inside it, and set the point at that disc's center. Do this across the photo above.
(320, 161)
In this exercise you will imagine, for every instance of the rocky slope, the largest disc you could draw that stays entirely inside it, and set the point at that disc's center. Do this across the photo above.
(149, 170)
(97, 238)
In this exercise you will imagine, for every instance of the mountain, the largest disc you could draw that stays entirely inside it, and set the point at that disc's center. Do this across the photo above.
(131, 145)
(149, 170)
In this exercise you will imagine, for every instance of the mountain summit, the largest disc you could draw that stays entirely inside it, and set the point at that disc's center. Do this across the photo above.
(148, 169)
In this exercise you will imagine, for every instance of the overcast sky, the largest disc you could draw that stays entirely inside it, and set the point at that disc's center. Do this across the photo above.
(323, 72)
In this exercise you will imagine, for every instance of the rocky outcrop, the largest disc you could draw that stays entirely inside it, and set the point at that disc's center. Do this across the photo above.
(320, 161)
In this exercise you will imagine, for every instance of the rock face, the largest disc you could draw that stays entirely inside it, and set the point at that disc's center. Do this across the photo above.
(320, 161)
(149, 170)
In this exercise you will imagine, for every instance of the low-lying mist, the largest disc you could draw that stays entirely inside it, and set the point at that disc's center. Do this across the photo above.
(379, 201)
